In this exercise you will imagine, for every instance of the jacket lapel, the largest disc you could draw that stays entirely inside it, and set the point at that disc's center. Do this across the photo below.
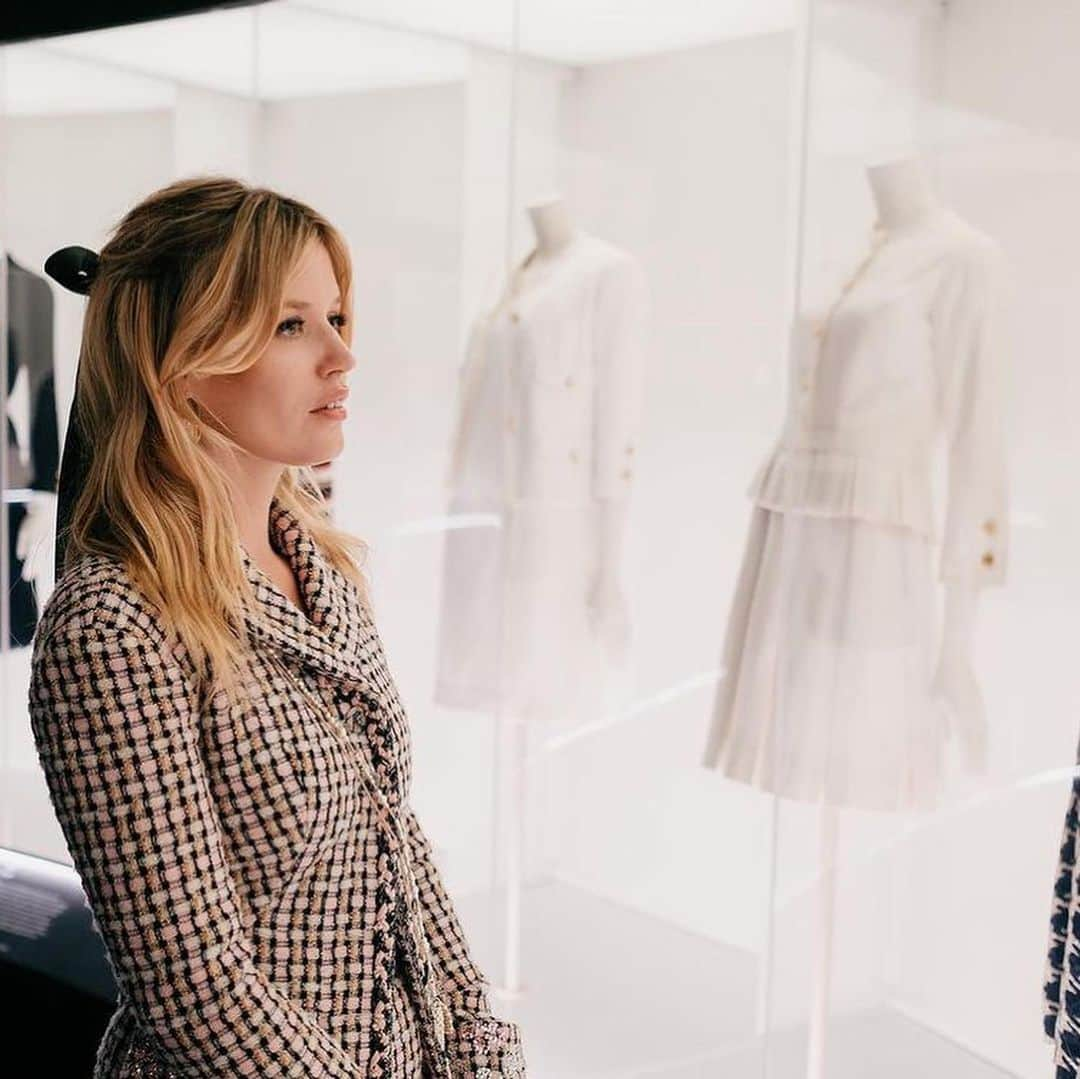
(334, 633)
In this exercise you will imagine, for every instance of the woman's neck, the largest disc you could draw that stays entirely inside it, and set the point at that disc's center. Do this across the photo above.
(902, 194)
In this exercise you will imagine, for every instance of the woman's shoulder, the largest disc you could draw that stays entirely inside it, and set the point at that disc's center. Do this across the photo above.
(97, 593)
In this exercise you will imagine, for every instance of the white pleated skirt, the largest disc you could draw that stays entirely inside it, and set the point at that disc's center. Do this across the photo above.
(827, 664)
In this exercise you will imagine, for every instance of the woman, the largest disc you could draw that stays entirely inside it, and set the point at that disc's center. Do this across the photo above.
(223, 743)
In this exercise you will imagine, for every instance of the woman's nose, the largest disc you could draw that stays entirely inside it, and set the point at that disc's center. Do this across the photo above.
(341, 356)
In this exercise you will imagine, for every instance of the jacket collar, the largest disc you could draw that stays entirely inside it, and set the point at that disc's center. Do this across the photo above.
(334, 632)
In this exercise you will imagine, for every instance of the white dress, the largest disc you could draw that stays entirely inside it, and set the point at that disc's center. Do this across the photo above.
(548, 413)
(832, 637)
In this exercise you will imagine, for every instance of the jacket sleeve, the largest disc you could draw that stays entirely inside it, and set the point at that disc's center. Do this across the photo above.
(115, 723)
(972, 352)
(480, 1040)
(618, 369)
(1061, 1024)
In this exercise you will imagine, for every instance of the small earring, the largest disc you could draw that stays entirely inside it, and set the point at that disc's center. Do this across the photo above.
(193, 430)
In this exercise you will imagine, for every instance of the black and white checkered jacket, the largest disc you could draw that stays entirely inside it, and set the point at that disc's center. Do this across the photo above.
(261, 916)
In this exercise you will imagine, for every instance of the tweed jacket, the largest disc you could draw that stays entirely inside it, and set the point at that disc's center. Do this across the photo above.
(266, 895)
(1061, 984)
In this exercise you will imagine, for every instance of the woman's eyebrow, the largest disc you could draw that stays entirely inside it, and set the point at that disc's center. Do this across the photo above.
(299, 305)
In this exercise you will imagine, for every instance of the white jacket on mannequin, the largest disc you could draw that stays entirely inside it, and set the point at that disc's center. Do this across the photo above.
(550, 397)
(915, 353)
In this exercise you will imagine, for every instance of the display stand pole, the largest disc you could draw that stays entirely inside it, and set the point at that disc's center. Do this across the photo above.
(826, 913)
(515, 862)
(511, 729)
(509, 840)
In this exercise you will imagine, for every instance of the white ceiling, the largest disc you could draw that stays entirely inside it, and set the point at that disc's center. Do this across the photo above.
(39, 82)
(291, 49)
(577, 31)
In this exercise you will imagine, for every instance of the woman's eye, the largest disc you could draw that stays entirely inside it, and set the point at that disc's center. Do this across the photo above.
(285, 328)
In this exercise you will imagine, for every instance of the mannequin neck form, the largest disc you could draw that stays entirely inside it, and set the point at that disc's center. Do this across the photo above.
(553, 226)
(902, 194)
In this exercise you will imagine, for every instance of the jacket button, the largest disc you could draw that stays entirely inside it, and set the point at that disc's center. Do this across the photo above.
(626, 473)
(990, 526)
(988, 558)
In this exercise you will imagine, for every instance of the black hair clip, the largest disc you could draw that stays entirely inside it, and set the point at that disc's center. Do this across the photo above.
(73, 267)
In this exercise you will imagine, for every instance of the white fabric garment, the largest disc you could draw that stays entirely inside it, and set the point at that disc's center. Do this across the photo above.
(832, 638)
(548, 413)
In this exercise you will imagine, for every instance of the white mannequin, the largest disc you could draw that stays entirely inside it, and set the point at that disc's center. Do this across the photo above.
(904, 199)
(902, 193)
(555, 233)
(553, 227)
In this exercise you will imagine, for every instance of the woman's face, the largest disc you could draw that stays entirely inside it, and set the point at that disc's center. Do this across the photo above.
(270, 409)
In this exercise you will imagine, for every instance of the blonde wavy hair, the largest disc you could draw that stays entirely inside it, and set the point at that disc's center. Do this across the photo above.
(190, 281)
